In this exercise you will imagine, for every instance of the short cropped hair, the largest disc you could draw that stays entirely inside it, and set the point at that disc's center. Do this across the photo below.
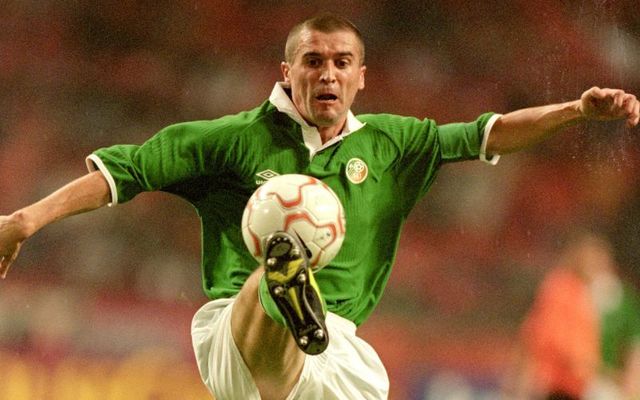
(326, 23)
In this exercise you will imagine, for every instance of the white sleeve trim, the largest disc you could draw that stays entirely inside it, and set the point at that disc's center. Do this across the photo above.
(95, 163)
(493, 160)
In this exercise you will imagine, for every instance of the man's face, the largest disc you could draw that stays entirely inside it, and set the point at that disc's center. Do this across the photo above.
(325, 74)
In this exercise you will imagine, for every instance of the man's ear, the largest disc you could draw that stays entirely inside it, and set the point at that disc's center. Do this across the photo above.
(284, 67)
(363, 69)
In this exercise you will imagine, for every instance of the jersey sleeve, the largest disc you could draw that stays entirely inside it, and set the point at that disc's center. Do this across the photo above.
(468, 140)
(175, 154)
(420, 139)
(632, 312)
(422, 146)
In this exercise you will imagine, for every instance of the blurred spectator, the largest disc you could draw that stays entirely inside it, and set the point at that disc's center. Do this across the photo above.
(581, 338)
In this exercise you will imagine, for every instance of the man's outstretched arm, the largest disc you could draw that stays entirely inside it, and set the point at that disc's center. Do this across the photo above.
(519, 129)
(83, 194)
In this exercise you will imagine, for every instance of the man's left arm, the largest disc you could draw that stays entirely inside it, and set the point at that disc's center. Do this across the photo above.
(522, 128)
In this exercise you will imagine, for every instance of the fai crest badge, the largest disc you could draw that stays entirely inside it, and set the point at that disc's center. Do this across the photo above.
(357, 170)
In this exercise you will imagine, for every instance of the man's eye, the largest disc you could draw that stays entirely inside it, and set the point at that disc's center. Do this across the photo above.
(313, 62)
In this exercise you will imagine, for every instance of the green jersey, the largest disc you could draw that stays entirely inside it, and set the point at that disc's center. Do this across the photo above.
(379, 167)
(619, 327)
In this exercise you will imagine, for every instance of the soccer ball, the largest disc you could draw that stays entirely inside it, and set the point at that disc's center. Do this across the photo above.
(300, 205)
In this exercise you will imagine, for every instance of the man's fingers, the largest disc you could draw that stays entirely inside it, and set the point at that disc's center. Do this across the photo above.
(614, 103)
(596, 92)
(618, 99)
(629, 103)
(5, 262)
(634, 116)
(603, 93)
(630, 109)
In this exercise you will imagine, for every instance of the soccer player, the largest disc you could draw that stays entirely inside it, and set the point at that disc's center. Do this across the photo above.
(581, 337)
(248, 342)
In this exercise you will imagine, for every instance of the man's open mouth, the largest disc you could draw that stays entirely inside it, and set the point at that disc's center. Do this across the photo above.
(327, 97)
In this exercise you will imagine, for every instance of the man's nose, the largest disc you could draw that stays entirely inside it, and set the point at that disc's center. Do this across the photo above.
(328, 73)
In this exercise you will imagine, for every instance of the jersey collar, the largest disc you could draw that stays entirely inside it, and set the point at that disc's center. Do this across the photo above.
(281, 100)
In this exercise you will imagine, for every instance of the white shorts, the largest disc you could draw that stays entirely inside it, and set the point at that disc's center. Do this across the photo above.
(348, 369)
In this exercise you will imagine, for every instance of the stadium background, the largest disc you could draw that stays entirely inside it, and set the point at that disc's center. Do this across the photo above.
(99, 306)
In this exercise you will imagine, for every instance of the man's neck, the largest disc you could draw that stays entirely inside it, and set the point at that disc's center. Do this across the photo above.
(329, 132)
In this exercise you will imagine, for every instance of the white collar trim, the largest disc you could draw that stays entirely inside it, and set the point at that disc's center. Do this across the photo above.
(310, 134)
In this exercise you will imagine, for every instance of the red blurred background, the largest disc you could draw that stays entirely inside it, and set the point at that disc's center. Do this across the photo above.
(99, 306)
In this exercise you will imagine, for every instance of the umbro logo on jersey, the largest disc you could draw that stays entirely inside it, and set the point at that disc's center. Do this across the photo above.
(357, 170)
(265, 176)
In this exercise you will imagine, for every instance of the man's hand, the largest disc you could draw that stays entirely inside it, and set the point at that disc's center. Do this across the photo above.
(12, 234)
(80, 195)
(610, 104)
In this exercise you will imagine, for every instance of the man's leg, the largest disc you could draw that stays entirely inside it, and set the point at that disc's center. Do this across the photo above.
(269, 349)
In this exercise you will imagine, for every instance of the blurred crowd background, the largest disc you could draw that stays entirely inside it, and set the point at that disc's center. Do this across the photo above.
(99, 306)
